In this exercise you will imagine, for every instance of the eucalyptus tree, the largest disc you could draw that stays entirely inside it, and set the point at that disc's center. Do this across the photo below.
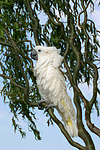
(65, 25)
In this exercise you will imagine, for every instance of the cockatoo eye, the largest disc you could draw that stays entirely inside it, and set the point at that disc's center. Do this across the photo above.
(39, 50)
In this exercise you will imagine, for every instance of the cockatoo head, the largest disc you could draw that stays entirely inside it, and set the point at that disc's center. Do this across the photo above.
(50, 54)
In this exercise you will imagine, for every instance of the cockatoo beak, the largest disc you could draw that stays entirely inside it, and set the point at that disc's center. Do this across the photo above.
(34, 55)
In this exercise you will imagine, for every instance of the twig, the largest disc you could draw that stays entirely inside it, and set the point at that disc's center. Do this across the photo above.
(5, 44)
(34, 19)
(11, 79)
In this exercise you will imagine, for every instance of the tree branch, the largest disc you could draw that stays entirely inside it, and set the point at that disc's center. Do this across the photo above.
(5, 44)
(82, 131)
(95, 79)
(85, 101)
(90, 125)
(47, 11)
(34, 20)
(11, 79)
(26, 90)
(60, 125)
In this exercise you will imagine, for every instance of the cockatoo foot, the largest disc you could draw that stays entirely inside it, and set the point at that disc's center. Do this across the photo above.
(39, 104)
(52, 106)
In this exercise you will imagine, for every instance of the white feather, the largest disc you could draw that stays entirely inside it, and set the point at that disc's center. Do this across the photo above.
(52, 86)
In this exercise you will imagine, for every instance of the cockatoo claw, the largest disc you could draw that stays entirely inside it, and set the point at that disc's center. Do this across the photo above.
(52, 106)
(39, 104)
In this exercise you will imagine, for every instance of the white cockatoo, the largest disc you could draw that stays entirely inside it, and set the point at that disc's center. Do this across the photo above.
(52, 86)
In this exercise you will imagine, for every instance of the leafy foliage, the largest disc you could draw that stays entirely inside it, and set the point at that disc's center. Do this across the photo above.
(67, 26)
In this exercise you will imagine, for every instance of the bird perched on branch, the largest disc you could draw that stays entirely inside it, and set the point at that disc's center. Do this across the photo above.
(52, 86)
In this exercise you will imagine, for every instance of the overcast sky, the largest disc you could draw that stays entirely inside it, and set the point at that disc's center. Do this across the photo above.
(51, 136)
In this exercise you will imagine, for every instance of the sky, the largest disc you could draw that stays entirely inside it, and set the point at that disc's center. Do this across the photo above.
(51, 136)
